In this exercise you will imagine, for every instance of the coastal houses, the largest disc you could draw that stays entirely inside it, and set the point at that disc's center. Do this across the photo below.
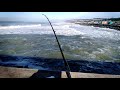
(97, 21)
(108, 22)
(104, 22)
(113, 23)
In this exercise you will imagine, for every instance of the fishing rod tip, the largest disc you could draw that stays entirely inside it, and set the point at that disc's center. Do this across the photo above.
(43, 14)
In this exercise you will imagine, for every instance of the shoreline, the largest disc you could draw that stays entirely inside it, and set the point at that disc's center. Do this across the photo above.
(102, 26)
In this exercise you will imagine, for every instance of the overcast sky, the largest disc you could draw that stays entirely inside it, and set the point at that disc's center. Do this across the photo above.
(54, 16)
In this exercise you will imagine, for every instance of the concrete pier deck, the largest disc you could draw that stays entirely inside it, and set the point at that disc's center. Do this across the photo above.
(13, 72)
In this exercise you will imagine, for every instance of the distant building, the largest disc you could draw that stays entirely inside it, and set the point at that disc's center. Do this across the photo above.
(110, 22)
(107, 22)
(96, 22)
(104, 22)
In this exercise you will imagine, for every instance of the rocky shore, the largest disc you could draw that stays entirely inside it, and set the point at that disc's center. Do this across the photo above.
(116, 27)
(112, 23)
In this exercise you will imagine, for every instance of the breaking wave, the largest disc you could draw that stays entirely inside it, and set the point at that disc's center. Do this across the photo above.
(77, 41)
(62, 28)
(18, 26)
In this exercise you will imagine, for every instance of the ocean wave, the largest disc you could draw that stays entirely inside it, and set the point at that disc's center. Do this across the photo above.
(19, 26)
(62, 28)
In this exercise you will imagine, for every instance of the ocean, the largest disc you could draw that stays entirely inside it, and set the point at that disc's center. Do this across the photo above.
(78, 42)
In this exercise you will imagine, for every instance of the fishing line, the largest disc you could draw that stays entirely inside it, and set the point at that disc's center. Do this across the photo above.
(65, 62)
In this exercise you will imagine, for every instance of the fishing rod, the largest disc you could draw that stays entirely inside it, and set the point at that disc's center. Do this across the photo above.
(65, 62)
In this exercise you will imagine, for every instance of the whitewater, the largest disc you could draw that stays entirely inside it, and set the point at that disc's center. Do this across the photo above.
(78, 42)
